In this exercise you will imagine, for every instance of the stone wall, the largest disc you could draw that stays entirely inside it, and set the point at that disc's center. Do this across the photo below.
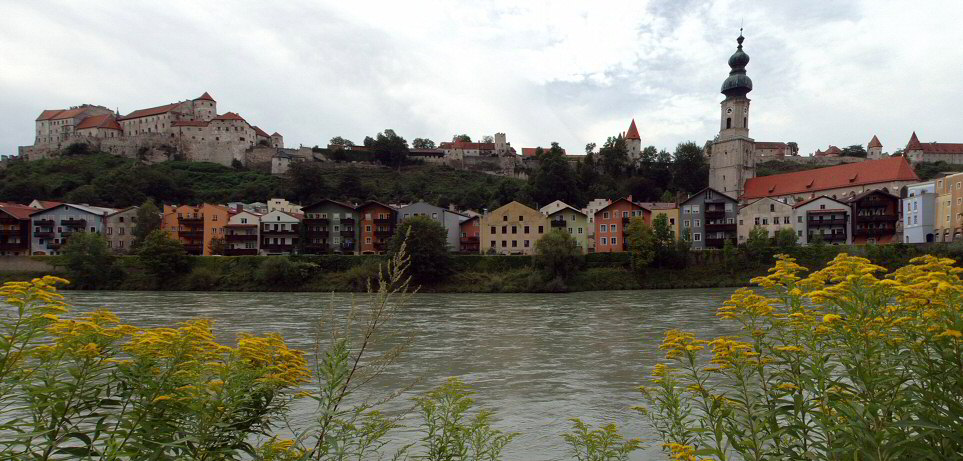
(151, 148)
(25, 264)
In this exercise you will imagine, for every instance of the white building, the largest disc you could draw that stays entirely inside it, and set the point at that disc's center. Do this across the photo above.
(919, 210)
(825, 216)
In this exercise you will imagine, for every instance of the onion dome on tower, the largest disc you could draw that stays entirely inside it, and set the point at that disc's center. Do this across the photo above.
(738, 83)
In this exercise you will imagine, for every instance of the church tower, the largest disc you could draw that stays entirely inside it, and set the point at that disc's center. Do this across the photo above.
(733, 159)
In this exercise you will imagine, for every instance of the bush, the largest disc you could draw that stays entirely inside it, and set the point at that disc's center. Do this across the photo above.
(557, 256)
(843, 364)
(281, 271)
(427, 242)
(163, 256)
(89, 261)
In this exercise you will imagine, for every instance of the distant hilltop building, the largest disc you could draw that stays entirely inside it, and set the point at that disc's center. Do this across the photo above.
(733, 154)
(917, 151)
(192, 129)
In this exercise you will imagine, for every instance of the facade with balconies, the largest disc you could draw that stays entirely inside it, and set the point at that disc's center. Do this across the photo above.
(280, 233)
(572, 221)
(875, 217)
(15, 229)
(709, 218)
(377, 225)
(242, 234)
(330, 227)
(469, 235)
(822, 219)
(196, 226)
(52, 228)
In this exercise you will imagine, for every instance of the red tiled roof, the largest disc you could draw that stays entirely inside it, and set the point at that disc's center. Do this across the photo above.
(833, 177)
(874, 142)
(69, 113)
(229, 116)
(799, 204)
(467, 145)
(658, 205)
(258, 131)
(205, 97)
(530, 151)
(942, 148)
(17, 211)
(189, 123)
(151, 111)
(633, 132)
(107, 121)
(276, 134)
(613, 202)
(914, 143)
(49, 114)
(49, 204)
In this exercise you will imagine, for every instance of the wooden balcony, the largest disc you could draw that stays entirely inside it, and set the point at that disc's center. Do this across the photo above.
(877, 218)
(277, 248)
(7, 246)
(383, 233)
(54, 245)
(316, 222)
(191, 222)
(195, 249)
(43, 234)
(348, 233)
(347, 221)
(825, 222)
(74, 223)
(240, 238)
(716, 242)
(43, 222)
(560, 223)
(721, 227)
(10, 232)
(191, 234)
(384, 222)
(715, 213)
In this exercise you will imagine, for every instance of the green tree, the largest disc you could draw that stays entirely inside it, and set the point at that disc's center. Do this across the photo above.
(614, 156)
(793, 148)
(87, 193)
(786, 238)
(426, 241)
(690, 171)
(162, 256)
(148, 220)
(554, 179)
(664, 240)
(340, 142)
(422, 143)
(390, 149)
(642, 243)
(461, 138)
(305, 181)
(89, 261)
(682, 247)
(557, 256)
(728, 254)
(488, 139)
(237, 165)
(855, 150)
(757, 243)
(217, 246)
(350, 186)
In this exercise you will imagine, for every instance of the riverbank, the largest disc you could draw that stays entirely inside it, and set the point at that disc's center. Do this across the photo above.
(472, 273)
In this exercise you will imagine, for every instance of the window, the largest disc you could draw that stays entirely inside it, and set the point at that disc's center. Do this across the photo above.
(685, 223)
(604, 241)
(605, 215)
(799, 219)
(214, 217)
(514, 229)
(504, 229)
(757, 221)
(367, 228)
(728, 207)
(603, 228)
(505, 218)
(110, 230)
(579, 230)
(504, 243)
(697, 223)
(695, 208)
(122, 229)
(614, 241)
(540, 230)
(613, 229)
(740, 222)
(765, 221)
(493, 230)
(696, 237)
(367, 240)
(527, 244)
(785, 219)
(434, 216)
(685, 209)
(822, 207)
(526, 229)
(493, 244)
(671, 221)
(521, 218)
(514, 243)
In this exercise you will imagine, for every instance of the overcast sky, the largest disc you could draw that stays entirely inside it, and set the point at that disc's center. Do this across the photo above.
(827, 72)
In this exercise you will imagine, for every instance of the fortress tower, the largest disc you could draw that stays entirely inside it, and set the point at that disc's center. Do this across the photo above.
(733, 160)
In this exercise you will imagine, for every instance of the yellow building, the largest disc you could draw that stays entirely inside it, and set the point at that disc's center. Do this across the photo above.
(948, 222)
(669, 209)
(574, 222)
(512, 229)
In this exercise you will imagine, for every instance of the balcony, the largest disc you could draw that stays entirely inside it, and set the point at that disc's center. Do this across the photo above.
(322, 234)
(347, 233)
(877, 218)
(383, 233)
(277, 247)
(194, 249)
(558, 223)
(469, 240)
(54, 245)
(280, 232)
(74, 223)
(316, 222)
(347, 221)
(712, 213)
(721, 227)
(43, 222)
(384, 222)
(346, 246)
(888, 230)
(825, 222)
(190, 222)
(240, 238)
(6, 246)
(44, 234)
(191, 234)
(10, 232)
(715, 242)
(625, 220)
(240, 252)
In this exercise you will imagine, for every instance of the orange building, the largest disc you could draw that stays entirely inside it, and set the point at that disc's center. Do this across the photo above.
(610, 223)
(377, 226)
(196, 226)
(470, 231)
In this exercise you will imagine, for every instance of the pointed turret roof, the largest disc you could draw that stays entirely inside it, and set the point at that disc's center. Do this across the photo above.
(206, 97)
(633, 132)
(914, 143)
(875, 142)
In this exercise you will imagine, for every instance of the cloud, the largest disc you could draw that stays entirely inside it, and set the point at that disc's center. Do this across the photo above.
(568, 71)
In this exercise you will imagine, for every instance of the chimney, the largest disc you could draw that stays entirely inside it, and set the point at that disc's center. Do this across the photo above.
(630, 198)
(451, 207)
(238, 207)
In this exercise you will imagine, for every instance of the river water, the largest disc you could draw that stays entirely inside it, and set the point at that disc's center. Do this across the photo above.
(535, 359)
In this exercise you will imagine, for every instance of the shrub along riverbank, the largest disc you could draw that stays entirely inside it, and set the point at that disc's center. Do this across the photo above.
(477, 273)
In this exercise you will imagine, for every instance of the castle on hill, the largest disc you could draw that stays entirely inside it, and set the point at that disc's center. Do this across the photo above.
(191, 129)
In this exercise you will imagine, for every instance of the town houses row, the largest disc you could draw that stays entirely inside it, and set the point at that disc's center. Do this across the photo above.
(844, 204)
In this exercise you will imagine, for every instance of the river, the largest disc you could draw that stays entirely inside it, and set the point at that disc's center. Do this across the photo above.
(535, 359)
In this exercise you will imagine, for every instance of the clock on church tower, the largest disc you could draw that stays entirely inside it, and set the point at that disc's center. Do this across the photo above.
(732, 161)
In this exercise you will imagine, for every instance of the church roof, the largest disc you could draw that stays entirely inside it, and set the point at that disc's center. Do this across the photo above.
(833, 177)
(633, 132)
(738, 83)
(875, 142)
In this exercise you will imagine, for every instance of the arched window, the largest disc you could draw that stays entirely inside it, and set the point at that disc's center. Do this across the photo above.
(728, 122)
(745, 122)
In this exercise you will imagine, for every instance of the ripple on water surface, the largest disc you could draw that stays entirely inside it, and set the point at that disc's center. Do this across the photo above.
(535, 359)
